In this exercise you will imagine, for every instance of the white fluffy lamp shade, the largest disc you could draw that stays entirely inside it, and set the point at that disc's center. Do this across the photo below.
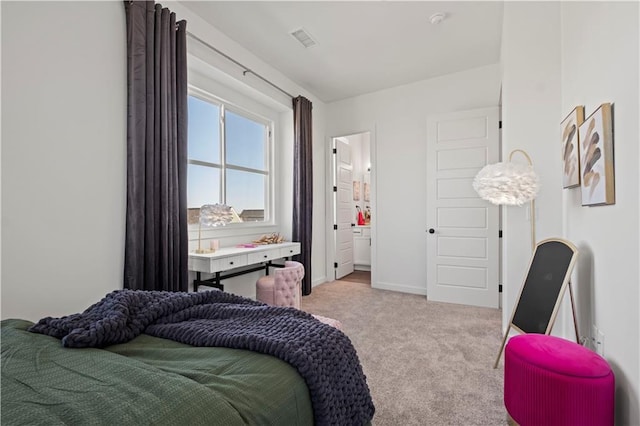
(215, 215)
(510, 184)
(507, 183)
(212, 215)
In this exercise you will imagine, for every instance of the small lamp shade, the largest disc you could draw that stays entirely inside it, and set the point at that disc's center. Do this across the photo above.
(507, 183)
(215, 215)
(212, 215)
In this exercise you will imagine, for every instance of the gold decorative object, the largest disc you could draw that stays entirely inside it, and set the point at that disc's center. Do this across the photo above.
(274, 238)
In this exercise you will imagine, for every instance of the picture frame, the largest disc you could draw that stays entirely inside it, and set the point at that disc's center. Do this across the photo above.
(356, 190)
(596, 158)
(571, 147)
(366, 192)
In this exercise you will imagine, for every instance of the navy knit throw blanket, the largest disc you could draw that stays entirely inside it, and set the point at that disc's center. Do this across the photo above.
(323, 355)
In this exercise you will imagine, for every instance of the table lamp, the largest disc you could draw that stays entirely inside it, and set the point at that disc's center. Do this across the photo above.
(212, 215)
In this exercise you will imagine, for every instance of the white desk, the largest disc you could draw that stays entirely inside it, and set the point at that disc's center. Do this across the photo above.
(228, 258)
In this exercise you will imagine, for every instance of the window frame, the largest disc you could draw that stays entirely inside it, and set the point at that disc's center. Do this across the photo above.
(269, 172)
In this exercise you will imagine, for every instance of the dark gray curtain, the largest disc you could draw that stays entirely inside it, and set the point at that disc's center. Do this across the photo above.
(156, 231)
(303, 185)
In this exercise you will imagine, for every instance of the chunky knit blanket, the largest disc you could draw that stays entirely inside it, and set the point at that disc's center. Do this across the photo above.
(323, 355)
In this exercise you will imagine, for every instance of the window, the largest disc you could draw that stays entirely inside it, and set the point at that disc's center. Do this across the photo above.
(228, 159)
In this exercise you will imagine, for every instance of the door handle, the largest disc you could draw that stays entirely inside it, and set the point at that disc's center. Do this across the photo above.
(432, 231)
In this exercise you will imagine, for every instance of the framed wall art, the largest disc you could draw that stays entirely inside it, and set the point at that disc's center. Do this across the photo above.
(596, 158)
(571, 147)
(356, 190)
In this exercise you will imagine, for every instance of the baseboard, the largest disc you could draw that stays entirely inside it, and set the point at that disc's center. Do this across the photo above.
(400, 288)
(318, 281)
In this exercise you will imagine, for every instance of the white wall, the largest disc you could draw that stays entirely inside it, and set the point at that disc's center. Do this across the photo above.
(397, 119)
(602, 66)
(548, 70)
(530, 121)
(63, 155)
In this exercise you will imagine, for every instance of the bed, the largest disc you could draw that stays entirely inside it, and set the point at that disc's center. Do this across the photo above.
(160, 358)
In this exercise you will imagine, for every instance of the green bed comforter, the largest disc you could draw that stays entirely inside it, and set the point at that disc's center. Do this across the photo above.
(147, 381)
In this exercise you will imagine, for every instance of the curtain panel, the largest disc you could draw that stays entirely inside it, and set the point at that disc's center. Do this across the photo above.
(156, 224)
(303, 185)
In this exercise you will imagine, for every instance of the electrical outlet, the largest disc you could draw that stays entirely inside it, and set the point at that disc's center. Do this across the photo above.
(600, 343)
(585, 341)
(593, 338)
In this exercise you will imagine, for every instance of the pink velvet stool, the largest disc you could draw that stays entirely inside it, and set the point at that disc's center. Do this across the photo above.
(550, 381)
(284, 288)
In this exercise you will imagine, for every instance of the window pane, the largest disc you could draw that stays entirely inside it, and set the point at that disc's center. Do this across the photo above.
(245, 142)
(246, 194)
(204, 131)
(203, 185)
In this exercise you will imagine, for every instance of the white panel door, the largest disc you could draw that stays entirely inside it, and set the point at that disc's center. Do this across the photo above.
(344, 209)
(462, 229)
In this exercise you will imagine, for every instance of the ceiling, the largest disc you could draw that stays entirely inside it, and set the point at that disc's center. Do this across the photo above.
(362, 46)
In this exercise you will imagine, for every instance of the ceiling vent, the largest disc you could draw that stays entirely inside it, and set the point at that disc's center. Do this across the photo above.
(303, 37)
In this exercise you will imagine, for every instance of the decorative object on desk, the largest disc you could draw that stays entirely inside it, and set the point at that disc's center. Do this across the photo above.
(274, 238)
(570, 147)
(596, 162)
(212, 215)
(359, 216)
(511, 184)
(247, 245)
(356, 190)
(367, 215)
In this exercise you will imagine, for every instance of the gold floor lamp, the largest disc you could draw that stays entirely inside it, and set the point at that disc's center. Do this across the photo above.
(510, 184)
(513, 184)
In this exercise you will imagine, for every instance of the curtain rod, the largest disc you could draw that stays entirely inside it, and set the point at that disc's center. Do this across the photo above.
(246, 69)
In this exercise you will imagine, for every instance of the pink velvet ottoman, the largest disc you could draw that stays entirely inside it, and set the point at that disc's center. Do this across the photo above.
(552, 381)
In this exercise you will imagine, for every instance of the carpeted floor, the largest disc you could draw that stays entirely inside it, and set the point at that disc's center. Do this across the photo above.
(426, 363)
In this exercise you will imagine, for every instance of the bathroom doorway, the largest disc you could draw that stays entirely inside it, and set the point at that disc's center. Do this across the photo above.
(362, 277)
(352, 205)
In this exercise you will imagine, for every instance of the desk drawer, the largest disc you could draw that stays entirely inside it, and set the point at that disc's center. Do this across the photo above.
(289, 251)
(263, 256)
(232, 262)
(204, 265)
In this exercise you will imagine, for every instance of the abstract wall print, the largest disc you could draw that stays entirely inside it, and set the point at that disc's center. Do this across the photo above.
(596, 158)
(367, 195)
(356, 190)
(570, 147)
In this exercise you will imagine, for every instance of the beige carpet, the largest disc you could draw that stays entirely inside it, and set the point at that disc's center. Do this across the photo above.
(426, 363)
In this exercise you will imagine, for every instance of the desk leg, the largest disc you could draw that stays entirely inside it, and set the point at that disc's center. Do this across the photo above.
(196, 281)
(212, 282)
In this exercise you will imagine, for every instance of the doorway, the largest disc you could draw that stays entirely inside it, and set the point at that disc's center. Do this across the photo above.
(360, 277)
(463, 237)
(352, 209)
